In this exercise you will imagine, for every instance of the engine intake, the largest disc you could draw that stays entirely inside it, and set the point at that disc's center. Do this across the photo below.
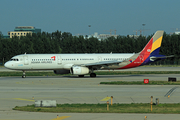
(77, 70)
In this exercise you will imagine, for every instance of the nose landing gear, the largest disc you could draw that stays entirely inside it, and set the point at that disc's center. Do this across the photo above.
(24, 74)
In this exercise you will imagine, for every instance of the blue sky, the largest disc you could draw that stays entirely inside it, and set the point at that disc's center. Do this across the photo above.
(74, 16)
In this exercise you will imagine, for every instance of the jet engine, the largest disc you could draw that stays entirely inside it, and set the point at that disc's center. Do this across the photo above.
(78, 70)
(61, 71)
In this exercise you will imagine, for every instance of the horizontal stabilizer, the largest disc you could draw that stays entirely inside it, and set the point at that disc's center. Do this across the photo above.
(154, 58)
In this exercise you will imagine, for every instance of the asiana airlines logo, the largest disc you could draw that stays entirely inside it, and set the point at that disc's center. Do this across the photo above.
(130, 60)
(53, 57)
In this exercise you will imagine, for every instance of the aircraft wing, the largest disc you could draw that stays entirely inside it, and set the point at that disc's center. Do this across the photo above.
(102, 63)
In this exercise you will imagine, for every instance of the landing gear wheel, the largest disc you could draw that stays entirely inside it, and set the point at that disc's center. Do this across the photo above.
(80, 75)
(24, 74)
(93, 75)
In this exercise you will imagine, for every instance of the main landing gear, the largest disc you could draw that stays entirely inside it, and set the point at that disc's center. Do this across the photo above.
(24, 74)
(80, 75)
(93, 75)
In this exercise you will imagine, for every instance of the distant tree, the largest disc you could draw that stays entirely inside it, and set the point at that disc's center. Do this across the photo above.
(1, 35)
(93, 44)
(58, 42)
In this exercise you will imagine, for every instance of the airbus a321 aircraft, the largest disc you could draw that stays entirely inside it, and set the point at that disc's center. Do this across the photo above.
(82, 64)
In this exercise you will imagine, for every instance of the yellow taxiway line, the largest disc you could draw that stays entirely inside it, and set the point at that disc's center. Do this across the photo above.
(61, 118)
(106, 99)
(23, 99)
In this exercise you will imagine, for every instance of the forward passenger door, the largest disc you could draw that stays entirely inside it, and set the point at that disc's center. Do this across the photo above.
(59, 61)
(26, 61)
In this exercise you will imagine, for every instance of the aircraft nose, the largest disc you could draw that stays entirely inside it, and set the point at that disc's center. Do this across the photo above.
(7, 65)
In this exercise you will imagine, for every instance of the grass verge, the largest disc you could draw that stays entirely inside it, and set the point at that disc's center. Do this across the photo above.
(19, 73)
(135, 72)
(37, 73)
(102, 108)
(141, 83)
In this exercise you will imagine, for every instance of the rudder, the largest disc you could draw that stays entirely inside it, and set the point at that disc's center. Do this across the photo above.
(157, 39)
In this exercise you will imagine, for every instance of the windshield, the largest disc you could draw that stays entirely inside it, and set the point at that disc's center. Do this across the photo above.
(14, 59)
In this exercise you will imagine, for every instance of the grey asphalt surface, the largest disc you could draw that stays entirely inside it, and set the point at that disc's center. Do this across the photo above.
(16, 91)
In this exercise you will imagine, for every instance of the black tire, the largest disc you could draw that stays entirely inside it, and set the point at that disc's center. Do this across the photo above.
(23, 76)
(93, 75)
(80, 75)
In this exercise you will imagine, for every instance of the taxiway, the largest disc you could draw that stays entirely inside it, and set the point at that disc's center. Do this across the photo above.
(16, 91)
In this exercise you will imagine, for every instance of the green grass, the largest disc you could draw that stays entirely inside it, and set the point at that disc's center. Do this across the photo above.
(37, 73)
(102, 108)
(141, 83)
(19, 73)
(135, 72)
(160, 66)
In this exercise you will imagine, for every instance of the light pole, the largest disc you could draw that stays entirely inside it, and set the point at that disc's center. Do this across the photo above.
(89, 29)
(143, 28)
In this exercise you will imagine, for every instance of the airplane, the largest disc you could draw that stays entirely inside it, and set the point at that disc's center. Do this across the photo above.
(82, 64)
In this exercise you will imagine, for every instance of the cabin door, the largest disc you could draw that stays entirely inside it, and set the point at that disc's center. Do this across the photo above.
(59, 61)
(26, 61)
(99, 59)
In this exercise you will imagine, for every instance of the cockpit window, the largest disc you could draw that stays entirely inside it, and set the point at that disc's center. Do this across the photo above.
(14, 59)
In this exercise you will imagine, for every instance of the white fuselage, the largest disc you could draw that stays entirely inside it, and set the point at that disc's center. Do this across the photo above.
(82, 64)
(61, 61)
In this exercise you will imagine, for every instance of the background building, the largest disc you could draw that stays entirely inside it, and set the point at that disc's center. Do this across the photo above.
(98, 36)
(23, 31)
(105, 36)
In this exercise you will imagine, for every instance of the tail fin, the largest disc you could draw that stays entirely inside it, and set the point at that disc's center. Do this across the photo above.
(154, 45)
(152, 48)
(150, 53)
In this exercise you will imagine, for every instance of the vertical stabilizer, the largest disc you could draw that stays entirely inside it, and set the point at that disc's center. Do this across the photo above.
(151, 50)
(153, 46)
(157, 39)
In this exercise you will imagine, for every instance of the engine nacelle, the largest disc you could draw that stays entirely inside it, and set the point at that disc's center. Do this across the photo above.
(61, 71)
(77, 70)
